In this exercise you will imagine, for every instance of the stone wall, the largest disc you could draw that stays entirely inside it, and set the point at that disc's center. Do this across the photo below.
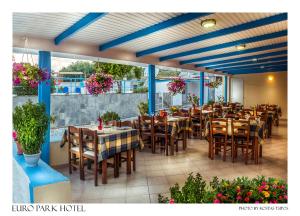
(83, 109)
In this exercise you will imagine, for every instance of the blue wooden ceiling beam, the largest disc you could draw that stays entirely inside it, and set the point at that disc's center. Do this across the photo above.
(226, 45)
(80, 24)
(252, 71)
(223, 62)
(240, 52)
(154, 28)
(218, 33)
(259, 61)
(250, 63)
(284, 63)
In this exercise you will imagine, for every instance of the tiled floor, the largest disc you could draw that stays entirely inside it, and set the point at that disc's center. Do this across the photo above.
(156, 172)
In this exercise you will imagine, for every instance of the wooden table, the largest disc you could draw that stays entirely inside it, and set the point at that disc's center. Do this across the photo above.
(177, 125)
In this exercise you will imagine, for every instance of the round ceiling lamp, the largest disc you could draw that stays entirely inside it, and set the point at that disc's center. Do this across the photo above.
(241, 47)
(208, 23)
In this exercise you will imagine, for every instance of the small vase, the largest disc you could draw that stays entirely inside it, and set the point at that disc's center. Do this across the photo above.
(19, 148)
(100, 125)
(32, 159)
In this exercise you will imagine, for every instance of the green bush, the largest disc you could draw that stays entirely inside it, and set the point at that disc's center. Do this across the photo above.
(30, 121)
(110, 116)
(143, 108)
(140, 90)
(240, 190)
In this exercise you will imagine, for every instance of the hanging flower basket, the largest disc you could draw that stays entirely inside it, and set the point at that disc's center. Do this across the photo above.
(26, 74)
(176, 86)
(99, 83)
(214, 84)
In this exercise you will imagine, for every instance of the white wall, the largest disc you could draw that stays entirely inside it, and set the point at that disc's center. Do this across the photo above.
(236, 91)
(259, 89)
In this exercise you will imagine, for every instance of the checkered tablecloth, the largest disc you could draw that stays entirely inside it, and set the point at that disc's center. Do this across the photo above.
(179, 124)
(256, 130)
(112, 141)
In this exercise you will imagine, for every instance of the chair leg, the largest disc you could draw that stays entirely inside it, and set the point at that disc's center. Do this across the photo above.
(116, 165)
(104, 172)
(133, 160)
(70, 167)
(128, 161)
(224, 153)
(96, 172)
(247, 150)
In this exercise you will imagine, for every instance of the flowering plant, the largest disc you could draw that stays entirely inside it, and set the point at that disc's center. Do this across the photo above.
(99, 83)
(194, 99)
(239, 190)
(214, 84)
(176, 86)
(28, 75)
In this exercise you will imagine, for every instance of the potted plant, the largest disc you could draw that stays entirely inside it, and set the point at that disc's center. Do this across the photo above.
(110, 116)
(99, 83)
(30, 121)
(194, 99)
(176, 86)
(143, 108)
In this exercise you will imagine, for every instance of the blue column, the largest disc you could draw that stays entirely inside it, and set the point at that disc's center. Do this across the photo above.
(225, 90)
(151, 89)
(44, 93)
(201, 101)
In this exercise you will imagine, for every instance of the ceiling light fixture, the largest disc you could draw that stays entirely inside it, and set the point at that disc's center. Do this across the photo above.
(208, 23)
(241, 47)
(255, 60)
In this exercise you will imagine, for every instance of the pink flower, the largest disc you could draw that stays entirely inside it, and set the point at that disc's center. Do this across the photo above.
(238, 198)
(171, 201)
(17, 81)
(285, 197)
(216, 201)
(14, 135)
(219, 195)
(263, 183)
(256, 202)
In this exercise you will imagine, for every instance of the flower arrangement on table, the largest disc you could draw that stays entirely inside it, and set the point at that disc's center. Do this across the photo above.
(214, 84)
(26, 74)
(99, 83)
(110, 116)
(194, 99)
(176, 86)
(174, 109)
(240, 190)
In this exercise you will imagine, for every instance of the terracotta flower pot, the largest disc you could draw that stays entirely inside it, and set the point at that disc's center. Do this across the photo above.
(19, 148)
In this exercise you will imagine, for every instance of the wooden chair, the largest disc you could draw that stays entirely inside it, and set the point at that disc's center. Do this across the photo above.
(198, 123)
(146, 130)
(182, 136)
(161, 134)
(220, 141)
(240, 133)
(74, 140)
(129, 157)
(90, 152)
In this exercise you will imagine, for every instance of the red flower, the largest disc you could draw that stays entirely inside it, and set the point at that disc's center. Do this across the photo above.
(247, 199)
(219, 195)
(216, 201)
(171, 201)
(280, 197)
(274, 193)
(14, 134)
(249, 193)
(238, 198)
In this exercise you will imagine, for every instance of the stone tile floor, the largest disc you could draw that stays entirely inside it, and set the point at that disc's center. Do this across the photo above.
(156, 172)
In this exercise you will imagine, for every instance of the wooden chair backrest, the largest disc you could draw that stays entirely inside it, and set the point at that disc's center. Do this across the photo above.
(74, 138)
(90, 139)
(218, 126)
(240, 128)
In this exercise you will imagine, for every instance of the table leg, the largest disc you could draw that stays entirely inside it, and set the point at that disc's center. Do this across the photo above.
(184, 139)
(128, 161)
(104, 172)
(172, 146)
(256, 150)
(260, 150)
(116, 165)
(133, 159)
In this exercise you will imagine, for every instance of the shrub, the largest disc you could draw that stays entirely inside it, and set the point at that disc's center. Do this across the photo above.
(240, 190)
(30, 121)
(140, 90)
(143, 108)
(110, 116)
